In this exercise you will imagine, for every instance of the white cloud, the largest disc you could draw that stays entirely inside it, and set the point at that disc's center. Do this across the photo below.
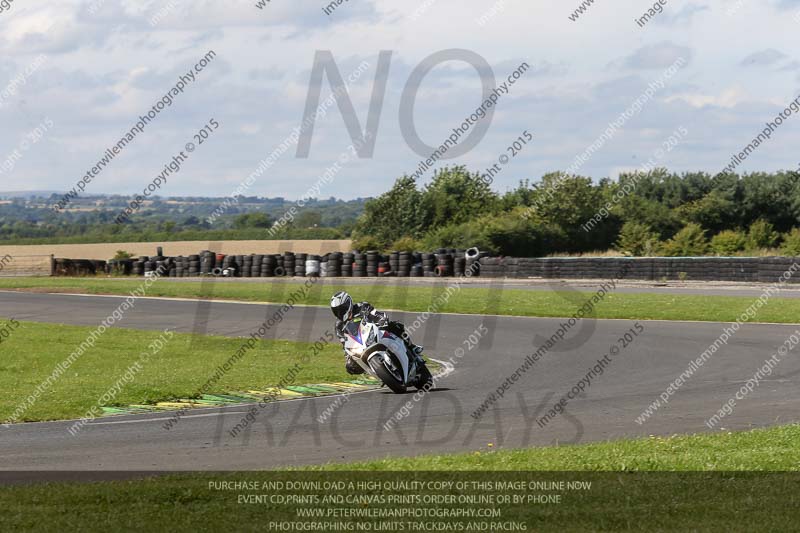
(107, 68)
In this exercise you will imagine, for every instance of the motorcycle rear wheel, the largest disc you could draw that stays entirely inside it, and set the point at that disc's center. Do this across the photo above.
(424, 378)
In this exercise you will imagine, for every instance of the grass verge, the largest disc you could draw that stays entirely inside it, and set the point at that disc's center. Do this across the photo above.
(648, 496)
(31, 352)
(501, 301)
(772, 449)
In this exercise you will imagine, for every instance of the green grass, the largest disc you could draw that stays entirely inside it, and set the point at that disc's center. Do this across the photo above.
(507, 301)
(632, 501)
(32, 351)
(772, 449)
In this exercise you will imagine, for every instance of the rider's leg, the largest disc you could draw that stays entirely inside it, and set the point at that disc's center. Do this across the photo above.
(400, 330)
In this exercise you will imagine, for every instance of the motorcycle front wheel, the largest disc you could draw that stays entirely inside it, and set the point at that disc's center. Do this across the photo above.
(386, 376)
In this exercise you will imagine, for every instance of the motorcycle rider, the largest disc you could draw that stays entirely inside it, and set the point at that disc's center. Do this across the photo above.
(346, 311)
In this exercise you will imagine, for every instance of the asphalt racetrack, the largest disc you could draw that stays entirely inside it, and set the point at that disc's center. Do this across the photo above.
(287, 433)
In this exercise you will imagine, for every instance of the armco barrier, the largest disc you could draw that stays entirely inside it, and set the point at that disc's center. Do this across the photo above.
(740, 269)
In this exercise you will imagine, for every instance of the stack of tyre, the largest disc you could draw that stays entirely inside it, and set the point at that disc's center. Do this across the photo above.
(119, 267)
(208, 261)
(289, 264)
(444, 263)
(373, 260)
(247, 267)
(153, 263)
(400, 264)
(334, 269)
(384, 269)
(359, 265)
(348, 260)
(268, 263)
(313, 266)
(459, 263)
(255, 268)
(417, 270)
(473, 264)
(428, 265)
(179, 267)
(138, 266)
(228, 264)
(299, 265)
(191, 266)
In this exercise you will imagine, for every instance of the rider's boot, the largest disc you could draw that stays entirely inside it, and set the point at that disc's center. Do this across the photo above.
(416, 352)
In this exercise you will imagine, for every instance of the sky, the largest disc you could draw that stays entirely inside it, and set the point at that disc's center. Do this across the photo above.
(76, 75)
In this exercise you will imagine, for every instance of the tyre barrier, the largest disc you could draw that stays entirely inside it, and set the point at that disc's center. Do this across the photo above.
(442, 263)
(312, 266)
(735, 269)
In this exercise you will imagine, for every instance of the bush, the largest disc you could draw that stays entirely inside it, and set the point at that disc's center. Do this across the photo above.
(464, 235)
(728, 242)
(689, 241)
(368, 242)
(406, 244)
(122, 254)
(762, 234)
(791, 243)
(637, 240)
(511, 234)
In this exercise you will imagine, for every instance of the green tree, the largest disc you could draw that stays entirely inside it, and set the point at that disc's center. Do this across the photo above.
(728, 242)
(511, 234)
(406, 244)
(252, 220)
(573, 204)
(690, 241)
(308, 219)
(637, 239)
(394, 214)
(791, 243)
(455, 196)
(762, 234)
(122, 254)
(464, 235)
(714, 211)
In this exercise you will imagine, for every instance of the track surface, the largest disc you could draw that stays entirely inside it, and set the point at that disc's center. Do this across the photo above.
(287, 433)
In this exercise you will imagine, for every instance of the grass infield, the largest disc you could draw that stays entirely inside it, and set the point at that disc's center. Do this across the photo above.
(719, 482)
(31, 351)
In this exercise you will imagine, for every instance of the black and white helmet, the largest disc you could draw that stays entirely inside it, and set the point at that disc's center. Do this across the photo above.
(342, 306)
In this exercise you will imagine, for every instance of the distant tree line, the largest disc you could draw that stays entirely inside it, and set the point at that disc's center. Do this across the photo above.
(653, 213)
(31, 222)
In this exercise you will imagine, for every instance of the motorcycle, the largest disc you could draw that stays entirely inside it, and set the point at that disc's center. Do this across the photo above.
(385, 356)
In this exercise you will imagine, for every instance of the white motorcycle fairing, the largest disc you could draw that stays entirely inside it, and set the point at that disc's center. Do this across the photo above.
(366, 341)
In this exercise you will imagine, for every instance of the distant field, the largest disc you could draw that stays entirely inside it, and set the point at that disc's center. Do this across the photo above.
(105, 251)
